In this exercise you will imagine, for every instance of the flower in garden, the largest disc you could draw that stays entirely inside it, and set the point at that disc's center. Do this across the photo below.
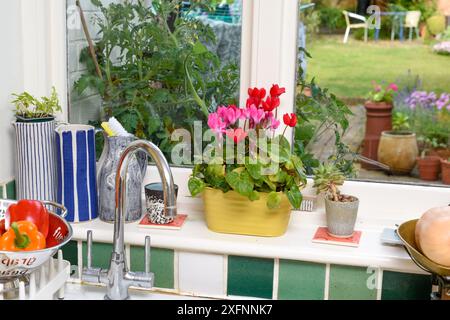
(255, 96)
(290, 119)
(216, 123)
(393, 87)
(442, 48)
(443, 101)
(276, 91)
(236, 134)
(271, 103)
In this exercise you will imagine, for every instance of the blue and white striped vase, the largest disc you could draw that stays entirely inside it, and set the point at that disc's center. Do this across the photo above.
(36, 160)
(77, 185)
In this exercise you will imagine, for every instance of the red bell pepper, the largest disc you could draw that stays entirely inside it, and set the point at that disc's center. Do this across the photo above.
(29, 210)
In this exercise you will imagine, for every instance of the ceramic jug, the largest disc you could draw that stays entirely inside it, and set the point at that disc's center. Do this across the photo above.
(76, 171)
(106, 179)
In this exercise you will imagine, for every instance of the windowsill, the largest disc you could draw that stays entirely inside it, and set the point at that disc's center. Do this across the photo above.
(381, 206)
(296, 244)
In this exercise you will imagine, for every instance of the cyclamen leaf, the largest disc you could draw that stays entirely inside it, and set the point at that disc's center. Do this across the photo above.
(196, 186)
(254, 195)
(295, 196)
(273, 200)
(240, 182)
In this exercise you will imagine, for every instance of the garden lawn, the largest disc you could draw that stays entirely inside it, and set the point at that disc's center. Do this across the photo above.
(349, 69)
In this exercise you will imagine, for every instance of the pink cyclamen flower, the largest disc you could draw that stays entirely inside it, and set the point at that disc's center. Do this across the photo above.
(215, 123)
(229, 114)
(255, 114)
(236, 134)
(272, 122)
(393, 87)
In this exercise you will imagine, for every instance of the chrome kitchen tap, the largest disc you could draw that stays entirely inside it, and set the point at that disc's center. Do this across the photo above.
(118, 278)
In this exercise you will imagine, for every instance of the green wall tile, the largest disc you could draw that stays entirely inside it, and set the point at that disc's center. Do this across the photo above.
(350, 283)
(301, 280)
(101, 254)
(161, 264)
(11, 190)
(250, 277)
(405, 286)
(70, 252)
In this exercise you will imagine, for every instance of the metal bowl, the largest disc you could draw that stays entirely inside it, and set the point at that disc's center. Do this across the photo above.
(16, 264)
(406, 232)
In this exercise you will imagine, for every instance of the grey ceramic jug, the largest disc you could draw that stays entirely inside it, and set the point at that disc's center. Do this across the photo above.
(106, 179)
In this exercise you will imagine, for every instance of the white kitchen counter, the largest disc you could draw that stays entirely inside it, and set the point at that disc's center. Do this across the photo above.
(296, 244)
(381, 205)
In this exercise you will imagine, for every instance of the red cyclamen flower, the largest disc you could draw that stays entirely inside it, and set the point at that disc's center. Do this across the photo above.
(271, 103)
(290, 119)
(255, 96)
(276, 91)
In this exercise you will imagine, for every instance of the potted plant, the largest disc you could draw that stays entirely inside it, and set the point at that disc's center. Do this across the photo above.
(398, 147)
(251, 180)
(445, 168)
(429, 165)
(31, 109)
(341, 210)
(35, 146)
(378, 119)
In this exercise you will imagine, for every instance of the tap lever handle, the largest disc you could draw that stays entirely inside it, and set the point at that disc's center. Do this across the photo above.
(89, 249)
(147, 254)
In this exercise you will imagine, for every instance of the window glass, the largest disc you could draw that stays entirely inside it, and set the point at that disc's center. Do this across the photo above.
(374, 88)
(154, 65)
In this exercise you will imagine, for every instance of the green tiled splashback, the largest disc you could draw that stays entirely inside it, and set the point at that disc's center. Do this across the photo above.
(251, 277)
(161, 264)
(351, 283)
(299, 280)
(405, 286)
(254, 277)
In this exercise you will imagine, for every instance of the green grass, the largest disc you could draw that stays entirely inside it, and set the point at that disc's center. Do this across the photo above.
(349, 69)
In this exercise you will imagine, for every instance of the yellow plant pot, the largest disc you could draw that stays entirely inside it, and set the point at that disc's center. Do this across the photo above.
(233, 213)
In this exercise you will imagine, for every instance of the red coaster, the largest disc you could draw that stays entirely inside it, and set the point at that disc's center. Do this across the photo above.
(176, 224)
(322, 236)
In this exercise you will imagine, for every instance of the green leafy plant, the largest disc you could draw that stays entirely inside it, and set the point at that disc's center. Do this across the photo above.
(321, 112)
(429, 144)
(400, 122)
(28, 106)
(156, 73)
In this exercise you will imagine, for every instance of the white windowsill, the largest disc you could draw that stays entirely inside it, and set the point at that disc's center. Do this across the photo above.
(378, 204)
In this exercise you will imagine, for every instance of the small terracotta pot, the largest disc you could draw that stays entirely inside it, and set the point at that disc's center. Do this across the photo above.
(429, 167)
(443, 153)
(378, 119)
(445, 167)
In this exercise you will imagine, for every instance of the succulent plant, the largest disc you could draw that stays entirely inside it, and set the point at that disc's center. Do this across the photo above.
(327, 178)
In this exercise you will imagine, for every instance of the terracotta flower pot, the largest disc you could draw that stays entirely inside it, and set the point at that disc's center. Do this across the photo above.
(429, 167)
(378, 119)
(398, 150)
(445, 167)
(443, 153)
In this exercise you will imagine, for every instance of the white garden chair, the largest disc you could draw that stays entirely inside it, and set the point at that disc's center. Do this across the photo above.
(350, 25)
(412, 20)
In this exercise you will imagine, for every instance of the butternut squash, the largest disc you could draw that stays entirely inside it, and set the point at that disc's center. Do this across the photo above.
(433, 235)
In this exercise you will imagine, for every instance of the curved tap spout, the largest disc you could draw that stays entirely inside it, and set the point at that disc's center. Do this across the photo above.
(170, 209)
(117, 282)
